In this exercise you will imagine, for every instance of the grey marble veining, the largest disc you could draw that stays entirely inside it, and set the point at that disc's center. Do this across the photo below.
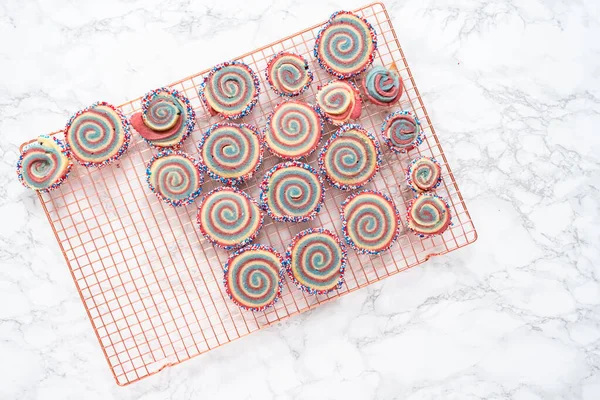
(513, 89)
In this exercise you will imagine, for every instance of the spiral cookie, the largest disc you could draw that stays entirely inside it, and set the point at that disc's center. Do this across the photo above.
(292, 192)
(315, 261)
(401, 131)
(428, 215)
(231, 153)
(229, 218)
(167, 118)
(382, 86)
(346, 45)
(230, 89)
(253, 277)
(97, 135)
(44, 164)
(423, 174)
(175, 177)
(288, 74)
(370, 222)
(339, 102)
(293, 130)
(350, 158)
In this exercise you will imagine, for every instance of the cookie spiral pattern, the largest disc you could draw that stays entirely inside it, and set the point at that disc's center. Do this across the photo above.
(97, 135)
(229, 218)
(339, 102)
(316, 260)
(167, 118)
(230, 89)
(292, 192)
(350, 158)
(401, 131)
(370, 222)
(288, 74)
(428, 215)
(382, 86)
(346, 45)
(423, 174)
(231, 153)
(44, 164)
(293, 130)
(253, 277)
(174, 177)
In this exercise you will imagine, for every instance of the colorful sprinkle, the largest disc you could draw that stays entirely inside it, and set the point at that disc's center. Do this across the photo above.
(346, 45)
(288, 74)
(370, 222)
(350, 158)
(292, 192)
(174, 177)
(253, 277)
(382, 86)
(339, 102)
(293, 130)
(231, 153)
(230, 89)
(44, 164)
(316, 260)
(424, 174)
(402, 131)
(97, 135)
(229, 218)
(428, 215)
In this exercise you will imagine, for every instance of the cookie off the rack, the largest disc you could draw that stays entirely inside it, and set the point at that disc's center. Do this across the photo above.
(44, 164)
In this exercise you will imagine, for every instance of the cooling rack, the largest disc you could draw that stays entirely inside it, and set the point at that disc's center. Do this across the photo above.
(152, 285)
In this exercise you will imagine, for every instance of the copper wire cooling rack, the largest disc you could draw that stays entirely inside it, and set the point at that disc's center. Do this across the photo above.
(152, 285)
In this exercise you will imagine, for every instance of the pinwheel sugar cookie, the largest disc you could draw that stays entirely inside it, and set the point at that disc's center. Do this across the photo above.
(288, 74)
(44, 164)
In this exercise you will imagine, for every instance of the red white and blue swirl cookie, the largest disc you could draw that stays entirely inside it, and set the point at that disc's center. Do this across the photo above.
(346, 45)
(382, 86)
(428, 215)
(402, 131)
(292, 192)
(167, 118)
(174, 177)
(316, 260)
(97, 135)
(288, 74)
(229, 218)
(293, 130)
(370, 222)
(423, 174)
(231, 153)
(253, 277)
(350, 158)
(230, 89)
(44, 164)
(339, 102)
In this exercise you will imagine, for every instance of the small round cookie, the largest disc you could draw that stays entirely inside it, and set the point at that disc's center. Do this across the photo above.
(229, 218)
(288, 74)
(423, 174)
(382, 86)
(44, 164)
(370, 222)
(253, 277)
(346, 45)
(292, 192)
(166, 120)
(402, 131)
(230, 89)
(231, 153)
(293, 130)
(339, 102)
(97, 135)
(428, 215)
(174, 177)
(350, 158)
(315, 261)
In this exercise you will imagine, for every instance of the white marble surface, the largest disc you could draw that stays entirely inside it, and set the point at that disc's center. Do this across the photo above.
(513, 88)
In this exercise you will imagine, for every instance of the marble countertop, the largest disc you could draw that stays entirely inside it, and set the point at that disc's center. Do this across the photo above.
(514, 92)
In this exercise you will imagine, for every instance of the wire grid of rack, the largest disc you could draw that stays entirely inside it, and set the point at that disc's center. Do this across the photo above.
(152, 285)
